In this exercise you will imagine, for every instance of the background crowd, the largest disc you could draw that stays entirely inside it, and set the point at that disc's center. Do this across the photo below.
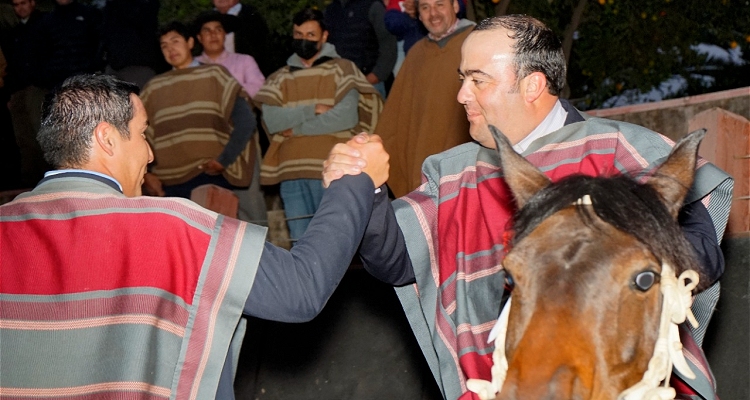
(207, 96)
(44, 42)
(278, 139)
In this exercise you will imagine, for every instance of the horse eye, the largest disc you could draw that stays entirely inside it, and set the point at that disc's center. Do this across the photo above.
(509, 282)
(644, 280)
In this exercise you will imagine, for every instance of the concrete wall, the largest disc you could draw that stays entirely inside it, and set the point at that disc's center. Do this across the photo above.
(671, 117)
(725, 114)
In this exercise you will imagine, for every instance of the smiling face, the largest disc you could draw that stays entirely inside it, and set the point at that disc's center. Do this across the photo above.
(135, 153)
(212, 36)
(176, 49)
(490, 90)
(438, 15)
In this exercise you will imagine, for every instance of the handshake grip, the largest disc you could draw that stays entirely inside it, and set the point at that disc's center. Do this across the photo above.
(362, 153)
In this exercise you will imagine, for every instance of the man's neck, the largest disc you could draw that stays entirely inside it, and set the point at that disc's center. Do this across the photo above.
(214, 56)
(552, 120)
(192, 63)
(445, 34)
(310, 62)
(109, 180)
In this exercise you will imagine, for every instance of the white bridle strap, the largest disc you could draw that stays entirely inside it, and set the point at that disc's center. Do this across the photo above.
(676, 302)
(488, 390)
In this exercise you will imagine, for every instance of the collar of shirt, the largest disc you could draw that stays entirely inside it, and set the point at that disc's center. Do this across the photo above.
(205, 59)
(552, 122)
(235, 9)
(447, 33)
(82, 171)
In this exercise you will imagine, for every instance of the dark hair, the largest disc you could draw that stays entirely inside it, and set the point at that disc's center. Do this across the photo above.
(177, 26)
(622, 202)
(229, 23)
(537, 48)
(72, 111)
(309, 14)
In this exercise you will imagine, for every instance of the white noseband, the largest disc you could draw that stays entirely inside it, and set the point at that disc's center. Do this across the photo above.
(676, 302)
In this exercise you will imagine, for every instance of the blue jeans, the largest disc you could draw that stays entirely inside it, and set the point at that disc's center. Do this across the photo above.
(301, 199)
(380, 86)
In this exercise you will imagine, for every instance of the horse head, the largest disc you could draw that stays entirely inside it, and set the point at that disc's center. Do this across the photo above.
(589, 261)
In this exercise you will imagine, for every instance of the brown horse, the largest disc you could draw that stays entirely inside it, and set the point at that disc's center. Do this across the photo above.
(594, 264)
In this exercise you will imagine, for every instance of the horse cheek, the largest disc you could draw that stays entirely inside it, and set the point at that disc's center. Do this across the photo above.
(638, 326)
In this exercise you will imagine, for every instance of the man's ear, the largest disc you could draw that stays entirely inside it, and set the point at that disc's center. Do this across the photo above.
(324, 37)
(533, 86)
(104, 138)
(190, 43)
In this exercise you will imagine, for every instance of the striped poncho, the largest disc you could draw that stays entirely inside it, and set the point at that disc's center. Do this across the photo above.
(454, 226)
(103, 296)
(189, 112)
(301, 157)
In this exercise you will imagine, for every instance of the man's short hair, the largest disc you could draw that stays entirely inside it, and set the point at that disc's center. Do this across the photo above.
(230, 23)
(537, 48)
(176, 26)
(309, 14)
(72, 111)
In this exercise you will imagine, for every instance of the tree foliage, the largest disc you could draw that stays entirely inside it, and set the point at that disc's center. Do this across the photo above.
(625, 45)
(613, 46)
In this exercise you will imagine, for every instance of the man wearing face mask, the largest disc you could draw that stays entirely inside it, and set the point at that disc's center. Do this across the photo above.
(317, 100)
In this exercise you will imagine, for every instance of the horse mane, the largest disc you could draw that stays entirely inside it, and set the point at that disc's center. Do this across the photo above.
(633, 208)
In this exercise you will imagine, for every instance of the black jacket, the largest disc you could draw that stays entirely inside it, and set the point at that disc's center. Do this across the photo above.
(71, 38)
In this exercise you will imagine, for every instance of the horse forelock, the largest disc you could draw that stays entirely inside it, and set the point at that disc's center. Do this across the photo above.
(630, 207)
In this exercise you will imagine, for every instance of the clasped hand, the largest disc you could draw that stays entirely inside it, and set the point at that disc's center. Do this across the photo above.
(362, 153)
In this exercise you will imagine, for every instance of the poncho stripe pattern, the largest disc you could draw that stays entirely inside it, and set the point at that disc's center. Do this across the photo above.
(127, 297)
(189, 114)
(455, 221)
(302, 156)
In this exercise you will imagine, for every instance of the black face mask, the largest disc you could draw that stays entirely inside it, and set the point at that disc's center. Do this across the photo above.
(305, 49)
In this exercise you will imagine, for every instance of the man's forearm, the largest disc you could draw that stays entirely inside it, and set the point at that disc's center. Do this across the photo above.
(698, 227)
(279, 118)
(244, 123)
(293, 286)
(343, 116)
(383, 250)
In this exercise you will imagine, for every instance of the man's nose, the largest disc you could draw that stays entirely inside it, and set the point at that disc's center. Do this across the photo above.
(464, 94)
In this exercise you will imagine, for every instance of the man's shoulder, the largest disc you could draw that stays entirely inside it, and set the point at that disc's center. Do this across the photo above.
(347, 67)
(68, 193)
(202, 69)
(210, 68)
(607, 136)
(464, 29)
(178, 77)
(628, 131)
(454, 159)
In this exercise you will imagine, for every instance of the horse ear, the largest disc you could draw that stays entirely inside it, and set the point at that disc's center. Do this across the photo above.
(523, 178)
(674, 178)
